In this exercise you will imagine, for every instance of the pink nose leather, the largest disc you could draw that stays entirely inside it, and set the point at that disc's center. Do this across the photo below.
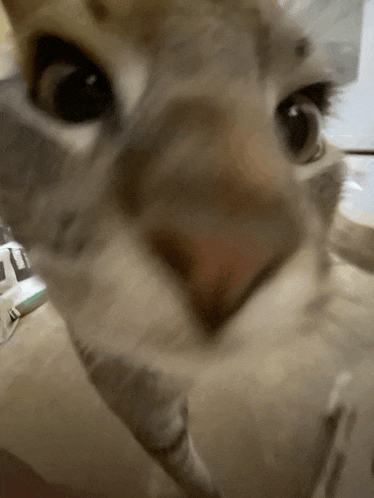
(227, 257)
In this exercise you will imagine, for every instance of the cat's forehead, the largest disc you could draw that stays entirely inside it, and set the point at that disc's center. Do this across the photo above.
(103, 28)
(153, 10)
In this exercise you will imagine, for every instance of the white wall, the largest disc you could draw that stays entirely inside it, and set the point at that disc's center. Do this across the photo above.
(354, 129)
(354, 126)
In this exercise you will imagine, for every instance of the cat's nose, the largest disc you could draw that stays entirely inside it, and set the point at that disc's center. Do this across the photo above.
(224, 208)
(223, 267)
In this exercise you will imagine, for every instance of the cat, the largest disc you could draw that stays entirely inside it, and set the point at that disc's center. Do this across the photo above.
(178, 205)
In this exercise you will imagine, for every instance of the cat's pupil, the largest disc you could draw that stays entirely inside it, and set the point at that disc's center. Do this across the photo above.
(300, 129)
(82, 96)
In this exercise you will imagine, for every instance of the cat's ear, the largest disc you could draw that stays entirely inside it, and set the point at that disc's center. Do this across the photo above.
(337, 26)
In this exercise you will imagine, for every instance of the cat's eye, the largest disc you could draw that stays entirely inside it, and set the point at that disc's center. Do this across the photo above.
(73, 93)
(299, 120)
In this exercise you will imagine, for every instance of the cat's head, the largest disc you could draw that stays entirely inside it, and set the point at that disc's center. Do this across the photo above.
(211, 113)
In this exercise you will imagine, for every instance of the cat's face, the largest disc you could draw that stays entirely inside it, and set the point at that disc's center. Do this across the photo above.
(208, 110)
